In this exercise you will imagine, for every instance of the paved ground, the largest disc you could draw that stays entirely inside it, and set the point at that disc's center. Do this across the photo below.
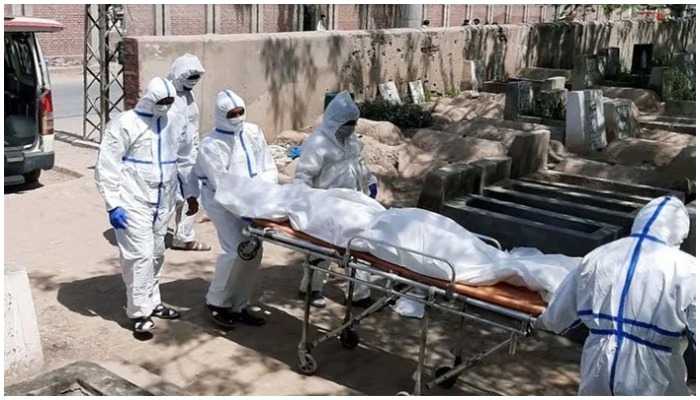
(59, 232)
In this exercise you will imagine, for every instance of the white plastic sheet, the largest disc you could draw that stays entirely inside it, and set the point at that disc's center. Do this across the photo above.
(337, 215)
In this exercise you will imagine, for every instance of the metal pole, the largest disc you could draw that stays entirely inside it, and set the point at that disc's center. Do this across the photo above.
(104, 68)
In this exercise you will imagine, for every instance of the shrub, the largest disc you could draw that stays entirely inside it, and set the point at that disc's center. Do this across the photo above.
(402, 115)
(680, 86)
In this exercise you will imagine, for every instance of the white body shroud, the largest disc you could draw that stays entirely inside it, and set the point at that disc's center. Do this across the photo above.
(337, 215)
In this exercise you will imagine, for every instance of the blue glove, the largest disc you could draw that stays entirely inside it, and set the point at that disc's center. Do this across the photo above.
(248, 220)
(373, 190)
(117, 217)
(294, 152)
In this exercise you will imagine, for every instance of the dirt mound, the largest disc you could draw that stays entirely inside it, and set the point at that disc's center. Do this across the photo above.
(638, 152)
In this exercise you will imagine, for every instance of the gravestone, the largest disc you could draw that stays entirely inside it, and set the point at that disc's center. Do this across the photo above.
(552, 103)
(555, 83)
(417, 92)
(641, 58)
(619, 120)
(519, 99)
(389, 92)
(472, 75)
(586, 73)
(612, 65)
(690, 48)
(585, 121)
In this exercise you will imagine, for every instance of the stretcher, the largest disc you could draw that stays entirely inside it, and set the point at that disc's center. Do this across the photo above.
(503, 306)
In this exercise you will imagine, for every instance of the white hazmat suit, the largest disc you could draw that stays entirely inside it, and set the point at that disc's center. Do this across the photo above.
(233, 149)
(326, 163)
(184, 67)
(636, 295)
(142, 156)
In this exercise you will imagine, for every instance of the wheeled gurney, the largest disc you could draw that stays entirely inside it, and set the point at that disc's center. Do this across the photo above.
(503, 306)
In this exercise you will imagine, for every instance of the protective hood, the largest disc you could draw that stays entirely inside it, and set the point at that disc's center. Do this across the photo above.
(225, 101)
(184, 67)
(339, 111)
(157, 89)
(664, 218)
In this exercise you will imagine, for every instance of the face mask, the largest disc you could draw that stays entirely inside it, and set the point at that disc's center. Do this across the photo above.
(344, 132)
(161, 109)
(190, 83)
(235, 124)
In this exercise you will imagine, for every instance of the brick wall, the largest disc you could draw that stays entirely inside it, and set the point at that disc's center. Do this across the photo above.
(348, 16)
(381, 16)
(70, 41)
(458, 13)
(277, 17)
(235, 18)
(433, 13)
(187, 19)
(139, 19)
(517, 13)
(479, 12)
(499, 14)
(131, 73)
(8, 9)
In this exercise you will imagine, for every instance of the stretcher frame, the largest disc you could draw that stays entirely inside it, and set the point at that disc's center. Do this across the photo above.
(445, 299)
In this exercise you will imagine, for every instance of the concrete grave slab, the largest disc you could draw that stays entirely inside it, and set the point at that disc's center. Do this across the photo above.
(552, 103)
(619, 120)
(23, 352)
(586, 72)
(519, 100)
(554, 83)
(81, 379)
(585, 122)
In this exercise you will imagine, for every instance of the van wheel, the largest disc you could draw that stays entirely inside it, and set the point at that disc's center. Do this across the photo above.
(32, 177)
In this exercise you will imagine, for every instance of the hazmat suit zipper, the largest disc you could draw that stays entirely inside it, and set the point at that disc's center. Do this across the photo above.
(247, 157)
(160, 168)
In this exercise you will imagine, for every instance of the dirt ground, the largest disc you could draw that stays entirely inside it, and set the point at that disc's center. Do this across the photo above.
(60, 233)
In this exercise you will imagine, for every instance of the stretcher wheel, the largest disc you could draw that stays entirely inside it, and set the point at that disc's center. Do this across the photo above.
(247, 250)
(307, 364)
(403, 394)
(349, 338)
(449, 382)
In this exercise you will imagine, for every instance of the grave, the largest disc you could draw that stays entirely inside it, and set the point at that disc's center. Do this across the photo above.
(586, 72)
(564, 216)
(619, 120)
(519, 100)
(552, 103)
(389, 92)
(585, 121)
(77, 379)
(642, 58)
(612, 67)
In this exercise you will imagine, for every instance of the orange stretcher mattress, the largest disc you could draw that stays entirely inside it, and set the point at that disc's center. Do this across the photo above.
(502, 294)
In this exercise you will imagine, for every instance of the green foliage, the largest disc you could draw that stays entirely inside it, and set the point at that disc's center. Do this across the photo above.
(679, 86)
(428, 95)
(451, 93)
(402, 115)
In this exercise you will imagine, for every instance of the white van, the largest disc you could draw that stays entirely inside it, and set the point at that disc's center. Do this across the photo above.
(28, 135)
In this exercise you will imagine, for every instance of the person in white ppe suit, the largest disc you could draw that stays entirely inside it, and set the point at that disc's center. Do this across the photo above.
(332, 158)
(185, 73)
(636, 295)
(235, 149)
(142, 157)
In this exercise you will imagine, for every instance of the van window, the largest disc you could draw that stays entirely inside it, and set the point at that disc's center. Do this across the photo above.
(19, 47)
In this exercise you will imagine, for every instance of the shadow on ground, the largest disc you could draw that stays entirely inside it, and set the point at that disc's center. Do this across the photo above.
(383, 364)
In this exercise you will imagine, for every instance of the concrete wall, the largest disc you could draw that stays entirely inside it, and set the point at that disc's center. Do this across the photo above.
(283, 77)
